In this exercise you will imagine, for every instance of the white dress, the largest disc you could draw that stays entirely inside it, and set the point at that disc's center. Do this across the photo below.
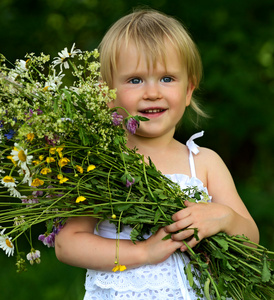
(163, 281)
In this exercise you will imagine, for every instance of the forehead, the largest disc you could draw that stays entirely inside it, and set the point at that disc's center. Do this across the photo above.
(132, 53)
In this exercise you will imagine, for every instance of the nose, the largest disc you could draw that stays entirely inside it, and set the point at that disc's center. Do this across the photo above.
(152, 91)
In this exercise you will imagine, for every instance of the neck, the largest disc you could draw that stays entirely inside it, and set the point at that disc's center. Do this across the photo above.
(151, 146)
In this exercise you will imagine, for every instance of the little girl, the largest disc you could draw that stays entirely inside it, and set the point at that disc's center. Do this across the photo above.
(155, 67)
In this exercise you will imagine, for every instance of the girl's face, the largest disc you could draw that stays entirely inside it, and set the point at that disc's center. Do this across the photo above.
(160, 92)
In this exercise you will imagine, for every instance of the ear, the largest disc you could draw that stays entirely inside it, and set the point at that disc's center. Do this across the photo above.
(189, 92)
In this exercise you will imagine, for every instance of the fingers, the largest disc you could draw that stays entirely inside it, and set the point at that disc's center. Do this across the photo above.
(192, 243)
(183, 212)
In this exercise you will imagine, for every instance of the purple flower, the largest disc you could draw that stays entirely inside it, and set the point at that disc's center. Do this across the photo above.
(10, 134)
(38, 111)
(52, 142)
(132, 125)
(48, 239)
(130, 183)
(29, 201)
(57, 225)
(116, 119)
(37, 193)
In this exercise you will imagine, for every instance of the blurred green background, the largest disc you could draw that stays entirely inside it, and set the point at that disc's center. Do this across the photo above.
(236, 42)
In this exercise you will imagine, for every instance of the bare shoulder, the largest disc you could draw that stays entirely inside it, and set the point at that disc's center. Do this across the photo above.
(208, 163)
(208, 155)
(219, 180)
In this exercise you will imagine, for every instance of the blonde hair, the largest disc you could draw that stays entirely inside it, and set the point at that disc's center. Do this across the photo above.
(149, 30)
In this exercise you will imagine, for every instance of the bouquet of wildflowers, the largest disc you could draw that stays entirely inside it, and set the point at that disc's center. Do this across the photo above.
(63, 154)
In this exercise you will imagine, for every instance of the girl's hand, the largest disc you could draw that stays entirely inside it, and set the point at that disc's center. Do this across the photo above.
(157, 250)
(208, 218)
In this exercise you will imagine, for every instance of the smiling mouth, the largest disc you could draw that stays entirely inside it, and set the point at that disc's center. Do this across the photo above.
(152, 111)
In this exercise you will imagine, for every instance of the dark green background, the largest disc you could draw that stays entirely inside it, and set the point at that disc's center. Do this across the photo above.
(236, 41)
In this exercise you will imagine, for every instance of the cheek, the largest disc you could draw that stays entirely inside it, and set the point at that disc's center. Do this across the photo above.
(111, 104)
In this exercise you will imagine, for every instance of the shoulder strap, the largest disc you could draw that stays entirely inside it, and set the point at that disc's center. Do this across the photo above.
(193, 148)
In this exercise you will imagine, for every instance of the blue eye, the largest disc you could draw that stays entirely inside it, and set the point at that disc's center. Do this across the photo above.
(135, 80)
(166, 79)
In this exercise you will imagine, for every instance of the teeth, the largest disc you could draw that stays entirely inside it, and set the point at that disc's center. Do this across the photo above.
(153, 110)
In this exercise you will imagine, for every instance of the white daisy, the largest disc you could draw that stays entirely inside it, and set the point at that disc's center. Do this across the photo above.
(53, 82)
(64, 55)
(27, 176)
(21, 65)
(6, 244)
(21, 156)
(14, 193)
(8, 182)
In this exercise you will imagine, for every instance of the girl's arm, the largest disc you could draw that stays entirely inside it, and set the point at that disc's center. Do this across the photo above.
(227, 212)
(77, 245)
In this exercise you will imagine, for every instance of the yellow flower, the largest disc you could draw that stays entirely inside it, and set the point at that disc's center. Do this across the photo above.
(50, 160)
(62, 180)
(36, 162)
(8, 182)
(90, 168)
(63, 161)
(11, 158)
(45, 171)
(41, 157)
(120, 268)
(79, 169)
(52, 150)
(37, 182)
(80, 199)
(30, 137)
(59, 150)
(8, 179)
(60, 176)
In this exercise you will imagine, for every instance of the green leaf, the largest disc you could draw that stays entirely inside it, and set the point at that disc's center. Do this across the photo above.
(122, 207)
(139, 118)
(97, 209)
(197, 196)
(167, 237)
(266, 274)
(206, 289)
(153, 172)
(221, 241)
(189, 275)
(157, 215)
(196, 234)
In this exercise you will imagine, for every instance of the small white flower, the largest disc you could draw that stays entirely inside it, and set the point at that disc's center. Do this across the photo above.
(8, 182)
(6, 244)
(14, 193)
(53, 82)
(19, 220)
(21, 65)
(21, 156)
(66, 119)
(27, 176)
(34, 256)
(64, 55)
